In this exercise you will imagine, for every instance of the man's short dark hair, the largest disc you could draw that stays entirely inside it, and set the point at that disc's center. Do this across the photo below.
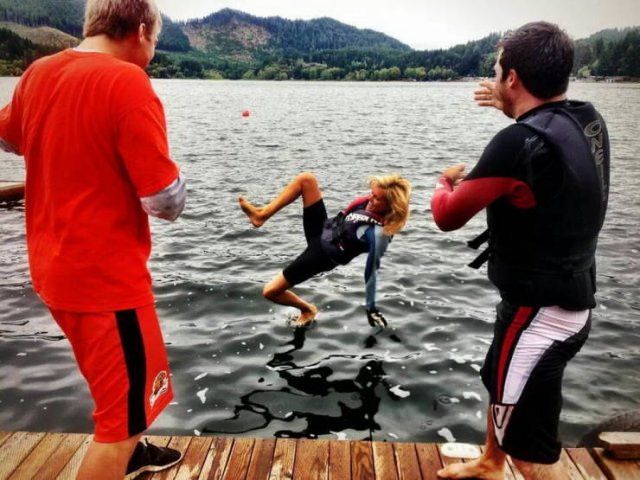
(542, 56)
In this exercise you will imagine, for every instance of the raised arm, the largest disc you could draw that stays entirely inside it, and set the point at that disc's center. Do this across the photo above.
(458, 198)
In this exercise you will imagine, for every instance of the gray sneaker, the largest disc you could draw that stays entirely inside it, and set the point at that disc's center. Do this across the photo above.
(148, 458)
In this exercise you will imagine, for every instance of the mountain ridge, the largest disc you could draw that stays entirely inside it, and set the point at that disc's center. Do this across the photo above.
(232, 44)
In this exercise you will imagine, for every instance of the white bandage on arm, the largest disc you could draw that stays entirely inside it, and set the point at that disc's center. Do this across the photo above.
(168, 203)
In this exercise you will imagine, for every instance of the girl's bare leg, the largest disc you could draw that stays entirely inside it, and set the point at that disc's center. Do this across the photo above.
(277, 290)
(305, 185)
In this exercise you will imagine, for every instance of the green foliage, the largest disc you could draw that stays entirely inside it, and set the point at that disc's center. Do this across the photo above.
(68, 16)
(609, 53)
(16, 53)
(65, 15)
(584, 72)
(172, 37)
(441, 73)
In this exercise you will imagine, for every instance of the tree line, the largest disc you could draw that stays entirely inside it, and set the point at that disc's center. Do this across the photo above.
(612, 53)
(64, 15)
(607, 54)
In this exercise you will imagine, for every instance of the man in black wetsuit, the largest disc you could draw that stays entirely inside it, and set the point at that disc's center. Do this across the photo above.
(544, 182)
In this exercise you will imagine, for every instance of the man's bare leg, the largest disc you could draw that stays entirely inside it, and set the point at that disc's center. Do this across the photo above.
(490, 465)
(538, 471)
(107, 461)
(305, 185)
(277, 290)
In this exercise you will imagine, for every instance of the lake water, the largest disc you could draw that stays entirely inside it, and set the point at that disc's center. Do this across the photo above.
(237, 367)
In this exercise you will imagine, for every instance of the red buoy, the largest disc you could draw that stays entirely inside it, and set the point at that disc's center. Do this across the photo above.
(246, 113)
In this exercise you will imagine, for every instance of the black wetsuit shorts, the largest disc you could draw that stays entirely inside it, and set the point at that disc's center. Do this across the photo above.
(523, 374)
(314, 259)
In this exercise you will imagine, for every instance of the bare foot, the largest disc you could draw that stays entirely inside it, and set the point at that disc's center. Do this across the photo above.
(306, 317)
(479, 468)
(252, 212)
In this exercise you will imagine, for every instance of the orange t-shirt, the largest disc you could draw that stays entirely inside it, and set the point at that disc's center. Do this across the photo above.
(93, 134)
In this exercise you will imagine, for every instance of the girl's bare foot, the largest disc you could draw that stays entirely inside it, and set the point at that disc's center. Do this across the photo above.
(306, 317)
(252, 212)
(481, 468)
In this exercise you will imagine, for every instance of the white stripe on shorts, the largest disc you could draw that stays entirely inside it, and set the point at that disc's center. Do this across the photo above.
(551, 324)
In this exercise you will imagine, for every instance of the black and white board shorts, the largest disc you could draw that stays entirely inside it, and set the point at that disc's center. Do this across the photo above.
(523, 374)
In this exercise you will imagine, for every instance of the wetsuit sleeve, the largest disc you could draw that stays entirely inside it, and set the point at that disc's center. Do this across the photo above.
(356, 202)
(496, 175)
(378, 243)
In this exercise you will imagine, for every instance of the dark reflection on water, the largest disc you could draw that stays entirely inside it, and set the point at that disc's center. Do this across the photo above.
(305, 381)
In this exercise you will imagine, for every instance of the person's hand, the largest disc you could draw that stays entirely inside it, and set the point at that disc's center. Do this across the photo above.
(376, 318)
(486, 96)
(455, 174)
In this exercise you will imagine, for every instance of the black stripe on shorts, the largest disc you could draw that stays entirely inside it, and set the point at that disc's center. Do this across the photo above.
(133, 348)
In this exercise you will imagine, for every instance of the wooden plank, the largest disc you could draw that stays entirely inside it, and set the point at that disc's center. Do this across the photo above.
(70, 470)
(60, 457)
(56, 455)
(181, 444)
(261, 459)
(159, 441)
(571, 472)
(621, 445)
(586, 465)
(362, 461)
(384, 460)
(615, 469)
(38, 456)
(339, 460)
(191, 465)
(4, 436)
(239, 459)
(407, 461)
(11, 191)
(428, 459)
(312, 460)
(15, 449)
(216, 460)
(283, 459)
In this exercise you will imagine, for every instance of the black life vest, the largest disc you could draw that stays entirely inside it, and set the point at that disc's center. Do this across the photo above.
(546, 255)
(340, 234)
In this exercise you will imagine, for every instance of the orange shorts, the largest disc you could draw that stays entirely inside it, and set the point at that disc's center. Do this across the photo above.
(123, 358)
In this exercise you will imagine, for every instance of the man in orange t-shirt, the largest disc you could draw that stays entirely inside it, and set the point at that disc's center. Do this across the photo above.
(93, 135)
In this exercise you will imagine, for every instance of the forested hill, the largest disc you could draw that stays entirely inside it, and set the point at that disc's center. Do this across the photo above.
(65, 15)
(232, 44)
(230, 31)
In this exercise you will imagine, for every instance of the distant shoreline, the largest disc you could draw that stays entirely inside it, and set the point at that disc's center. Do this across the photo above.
(604, 80)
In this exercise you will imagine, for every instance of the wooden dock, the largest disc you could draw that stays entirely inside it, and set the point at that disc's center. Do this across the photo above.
(46, 456)
(11, 191)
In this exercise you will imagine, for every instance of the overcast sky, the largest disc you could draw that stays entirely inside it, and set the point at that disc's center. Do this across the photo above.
(426, 24)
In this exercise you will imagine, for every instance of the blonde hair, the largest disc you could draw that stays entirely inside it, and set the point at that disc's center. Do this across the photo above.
(398, 192)
(118, 19)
